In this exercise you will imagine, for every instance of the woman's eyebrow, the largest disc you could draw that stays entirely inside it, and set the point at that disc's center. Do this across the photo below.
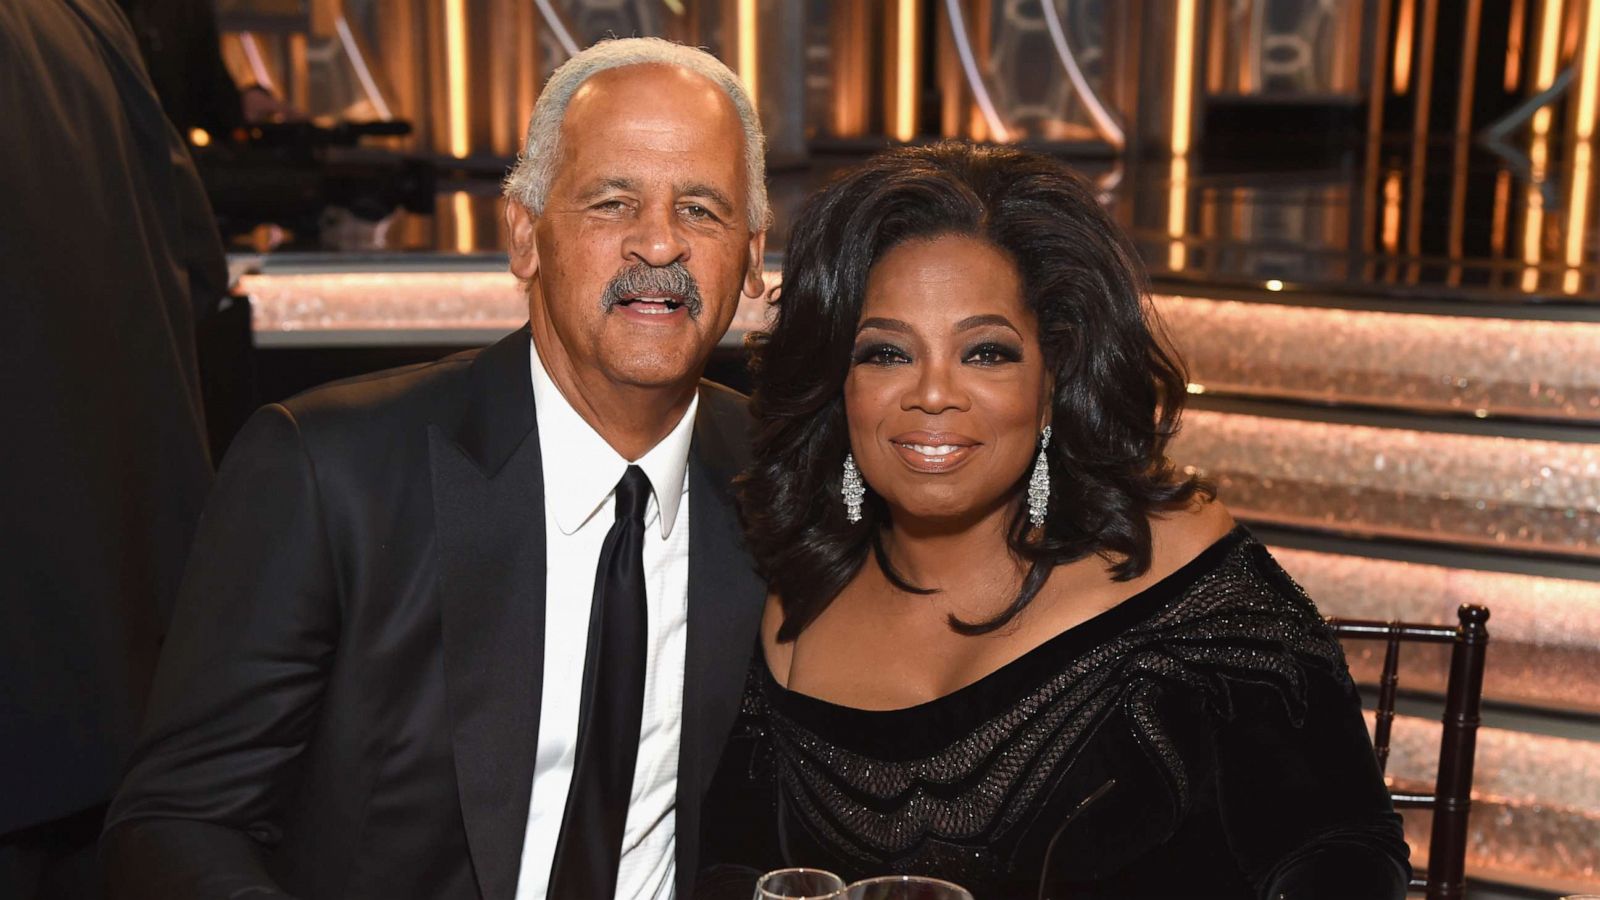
(972, 322)
(884, 324)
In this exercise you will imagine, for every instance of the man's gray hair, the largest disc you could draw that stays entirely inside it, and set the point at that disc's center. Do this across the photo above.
(529, 181)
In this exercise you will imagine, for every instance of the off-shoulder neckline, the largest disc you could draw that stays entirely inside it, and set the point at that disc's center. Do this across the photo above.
(1088, 633)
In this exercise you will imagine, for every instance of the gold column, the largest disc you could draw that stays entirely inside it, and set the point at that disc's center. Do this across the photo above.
(1546, 60)
(1404, 46)
(1581, 177)
(746, 54)
(1533, 223)
(961, 111)
(1513, 74)
(1347, 52)
(403, 56)
(1185, 43)
(1585, 110)
(1217, 50)
(1378, 90)
(849, 27)
(513, 67)
(466, 72)
(1377, 93)
(1177, 212)
(1183, 71)
(1502, 206)
(1458, 204)
(1469, 69)
(902, 68)
(1391, 212)
(980, 18)
(1424, 103)
(952, 87)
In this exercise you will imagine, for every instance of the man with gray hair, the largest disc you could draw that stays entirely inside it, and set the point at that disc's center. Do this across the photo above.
(478, 628)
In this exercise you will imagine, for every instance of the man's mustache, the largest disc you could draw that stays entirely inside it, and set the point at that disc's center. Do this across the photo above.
(672, 281)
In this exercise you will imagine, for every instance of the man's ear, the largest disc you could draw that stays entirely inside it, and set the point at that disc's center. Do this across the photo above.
(523, 250)
(754, 284)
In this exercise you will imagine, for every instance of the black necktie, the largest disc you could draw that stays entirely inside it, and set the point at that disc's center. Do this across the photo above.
(590, 845)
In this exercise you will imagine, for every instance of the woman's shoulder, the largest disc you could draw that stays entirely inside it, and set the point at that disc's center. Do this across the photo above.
(1180, 536)
(1234, 612)
(1184, 545)
(1201, 553)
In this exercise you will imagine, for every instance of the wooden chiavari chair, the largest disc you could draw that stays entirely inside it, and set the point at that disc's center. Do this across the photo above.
(1451, 800)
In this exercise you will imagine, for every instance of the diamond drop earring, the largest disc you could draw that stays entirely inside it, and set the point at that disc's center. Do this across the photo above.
(1039, 483)
(852, 488)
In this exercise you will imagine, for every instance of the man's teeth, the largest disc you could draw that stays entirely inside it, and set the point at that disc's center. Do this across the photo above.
(652, 306)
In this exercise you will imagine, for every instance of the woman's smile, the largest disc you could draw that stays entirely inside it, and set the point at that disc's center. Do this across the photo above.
(934, 452)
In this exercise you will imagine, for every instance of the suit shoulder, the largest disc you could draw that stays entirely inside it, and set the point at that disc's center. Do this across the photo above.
(722, 399)
(722, 430)
(423, 391)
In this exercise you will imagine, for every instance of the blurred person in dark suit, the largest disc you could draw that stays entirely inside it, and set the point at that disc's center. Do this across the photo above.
(107, 254)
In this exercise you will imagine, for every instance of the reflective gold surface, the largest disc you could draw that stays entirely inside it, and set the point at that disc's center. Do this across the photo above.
(408, 301)
(385, 301)
(1416, 362)
(1544, 632)
(1485, 491)
(1536, 803)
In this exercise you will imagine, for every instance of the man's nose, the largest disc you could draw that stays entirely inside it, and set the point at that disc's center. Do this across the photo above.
(656, 238)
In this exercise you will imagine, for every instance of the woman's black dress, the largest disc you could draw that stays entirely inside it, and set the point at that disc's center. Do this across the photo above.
(1201, 739)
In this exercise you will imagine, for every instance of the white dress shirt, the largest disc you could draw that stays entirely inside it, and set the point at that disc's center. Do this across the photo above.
(581, 472)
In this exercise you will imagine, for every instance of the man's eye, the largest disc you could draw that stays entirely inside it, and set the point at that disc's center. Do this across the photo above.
(881, 355)
(992, 354)
(609, 205)
(696, 211)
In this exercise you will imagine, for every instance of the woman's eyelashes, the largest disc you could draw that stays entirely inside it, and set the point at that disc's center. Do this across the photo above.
(983, 353)
(880, 354)
(993, 353)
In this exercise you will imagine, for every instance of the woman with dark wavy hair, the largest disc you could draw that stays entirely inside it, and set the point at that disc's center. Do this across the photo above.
(1008, 644)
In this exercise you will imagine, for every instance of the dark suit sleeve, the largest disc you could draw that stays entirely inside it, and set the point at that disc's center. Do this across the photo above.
(1305, 808)
(239, 683)
(739, 838)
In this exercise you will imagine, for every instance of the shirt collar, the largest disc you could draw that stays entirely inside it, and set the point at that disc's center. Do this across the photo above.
(587, 469)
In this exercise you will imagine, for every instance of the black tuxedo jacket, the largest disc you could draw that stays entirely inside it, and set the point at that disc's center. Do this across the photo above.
(348, 702)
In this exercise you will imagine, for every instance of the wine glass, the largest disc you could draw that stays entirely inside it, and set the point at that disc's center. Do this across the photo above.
(798, 884)
(905, 887)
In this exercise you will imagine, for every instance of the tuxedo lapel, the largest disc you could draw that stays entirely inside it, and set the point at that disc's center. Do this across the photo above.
(725, 601)
(488, 497)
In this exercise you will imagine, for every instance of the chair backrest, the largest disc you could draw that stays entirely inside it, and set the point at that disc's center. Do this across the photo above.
(1451, 799)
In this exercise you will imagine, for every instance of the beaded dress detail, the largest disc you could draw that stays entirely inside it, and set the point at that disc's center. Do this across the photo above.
(974, 786)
